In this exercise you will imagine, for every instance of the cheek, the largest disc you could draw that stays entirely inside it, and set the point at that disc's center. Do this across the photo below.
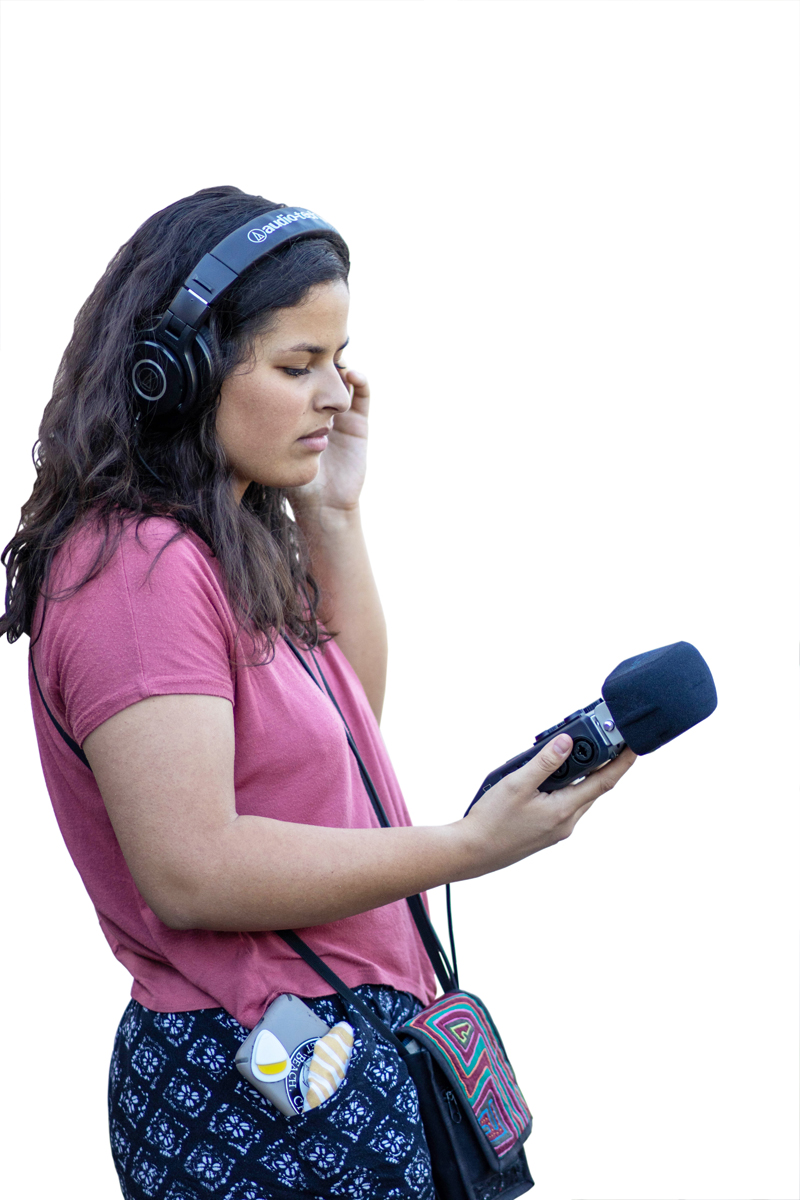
(273, 416)
(250, 418)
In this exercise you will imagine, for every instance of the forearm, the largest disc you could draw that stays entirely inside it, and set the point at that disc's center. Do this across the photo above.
(165, 769)
(260, 873)
(254, 873)
(351, 605)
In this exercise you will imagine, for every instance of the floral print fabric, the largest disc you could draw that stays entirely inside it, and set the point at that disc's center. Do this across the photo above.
(185, 1125)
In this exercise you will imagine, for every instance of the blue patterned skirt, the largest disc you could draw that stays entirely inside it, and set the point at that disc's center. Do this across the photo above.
(185, 1125)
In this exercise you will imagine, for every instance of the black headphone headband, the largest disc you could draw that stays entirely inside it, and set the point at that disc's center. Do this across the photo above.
(170, 363)
(215, 273)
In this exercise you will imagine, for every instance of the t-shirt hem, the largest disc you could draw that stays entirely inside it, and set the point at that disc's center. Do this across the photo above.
(193, 999)
(94, 717)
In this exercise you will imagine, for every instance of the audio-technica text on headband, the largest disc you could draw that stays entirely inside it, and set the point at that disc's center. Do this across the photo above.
(172, 360)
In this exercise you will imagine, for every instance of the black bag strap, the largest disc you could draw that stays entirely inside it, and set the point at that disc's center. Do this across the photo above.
(73, 745)
(445, 973)
(321, 967)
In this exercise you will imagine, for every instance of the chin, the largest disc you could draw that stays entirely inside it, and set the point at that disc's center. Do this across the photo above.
(297, 478)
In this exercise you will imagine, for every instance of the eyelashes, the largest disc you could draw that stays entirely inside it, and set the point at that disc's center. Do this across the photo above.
(295, 372)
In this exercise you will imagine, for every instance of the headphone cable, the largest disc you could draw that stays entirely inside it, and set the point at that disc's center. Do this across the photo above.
(147, 467)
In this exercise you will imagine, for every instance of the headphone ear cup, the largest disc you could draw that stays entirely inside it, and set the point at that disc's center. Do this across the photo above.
(158, 379)
(168, 384)
(203, 363)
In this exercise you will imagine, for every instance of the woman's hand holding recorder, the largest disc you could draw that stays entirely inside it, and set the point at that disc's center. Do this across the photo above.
(514, 819)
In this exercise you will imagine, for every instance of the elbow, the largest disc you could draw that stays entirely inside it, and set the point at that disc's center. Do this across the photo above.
(189, 890)
(175, 918)
(204, 907)
(177, 903)
(176, 912)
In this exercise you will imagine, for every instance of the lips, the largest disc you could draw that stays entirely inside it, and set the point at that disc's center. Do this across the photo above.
(317, 441)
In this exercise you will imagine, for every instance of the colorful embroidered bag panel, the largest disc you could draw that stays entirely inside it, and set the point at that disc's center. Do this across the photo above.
(459, 1033)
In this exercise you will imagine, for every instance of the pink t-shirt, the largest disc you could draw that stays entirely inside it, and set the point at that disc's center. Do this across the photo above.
(156, 622)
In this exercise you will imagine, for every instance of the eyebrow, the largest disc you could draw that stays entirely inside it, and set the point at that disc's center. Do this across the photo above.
(307, 348)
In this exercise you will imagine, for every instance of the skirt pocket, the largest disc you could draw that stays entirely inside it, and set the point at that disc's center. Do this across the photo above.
(367, 1138)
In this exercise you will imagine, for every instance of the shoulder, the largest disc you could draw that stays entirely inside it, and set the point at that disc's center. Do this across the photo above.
(131, 547)
(141, 571)
(139, 613)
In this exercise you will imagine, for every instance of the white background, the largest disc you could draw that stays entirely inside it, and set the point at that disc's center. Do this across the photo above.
(575, 246)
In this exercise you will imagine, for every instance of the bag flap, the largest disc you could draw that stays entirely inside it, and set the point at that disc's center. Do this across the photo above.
(460, 1034)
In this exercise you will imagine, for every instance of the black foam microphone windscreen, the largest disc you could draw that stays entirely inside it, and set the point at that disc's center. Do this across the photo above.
(656, 696)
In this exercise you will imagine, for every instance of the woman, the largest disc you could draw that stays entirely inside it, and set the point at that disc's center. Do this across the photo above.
(173, 604)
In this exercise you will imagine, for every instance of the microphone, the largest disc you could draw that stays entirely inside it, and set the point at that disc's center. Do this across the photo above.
(656, 696)
(646, 702)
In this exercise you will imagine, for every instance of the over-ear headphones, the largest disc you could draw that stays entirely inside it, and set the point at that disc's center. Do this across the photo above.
(172, 361)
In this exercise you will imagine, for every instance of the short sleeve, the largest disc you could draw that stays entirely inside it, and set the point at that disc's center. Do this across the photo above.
(154, 622)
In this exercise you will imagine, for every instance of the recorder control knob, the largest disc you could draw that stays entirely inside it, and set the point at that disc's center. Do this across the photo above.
(546, 732)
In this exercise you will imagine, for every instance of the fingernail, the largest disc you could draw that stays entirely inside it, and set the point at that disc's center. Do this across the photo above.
(561, 743)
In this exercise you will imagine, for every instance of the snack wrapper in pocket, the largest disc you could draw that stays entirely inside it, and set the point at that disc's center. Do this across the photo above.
(329, 1064)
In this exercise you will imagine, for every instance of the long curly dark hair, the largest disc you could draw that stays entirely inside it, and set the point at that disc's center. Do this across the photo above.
(94, 459)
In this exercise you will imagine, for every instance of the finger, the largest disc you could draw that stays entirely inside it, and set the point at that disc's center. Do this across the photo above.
(549, 759)
(584, 808)
(576, 816)
(602, 780)
(359, 385)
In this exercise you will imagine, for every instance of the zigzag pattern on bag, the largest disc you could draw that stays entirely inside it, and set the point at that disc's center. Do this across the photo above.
(457, 1031)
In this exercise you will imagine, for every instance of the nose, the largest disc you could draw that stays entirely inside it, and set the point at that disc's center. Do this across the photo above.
(333, 392)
